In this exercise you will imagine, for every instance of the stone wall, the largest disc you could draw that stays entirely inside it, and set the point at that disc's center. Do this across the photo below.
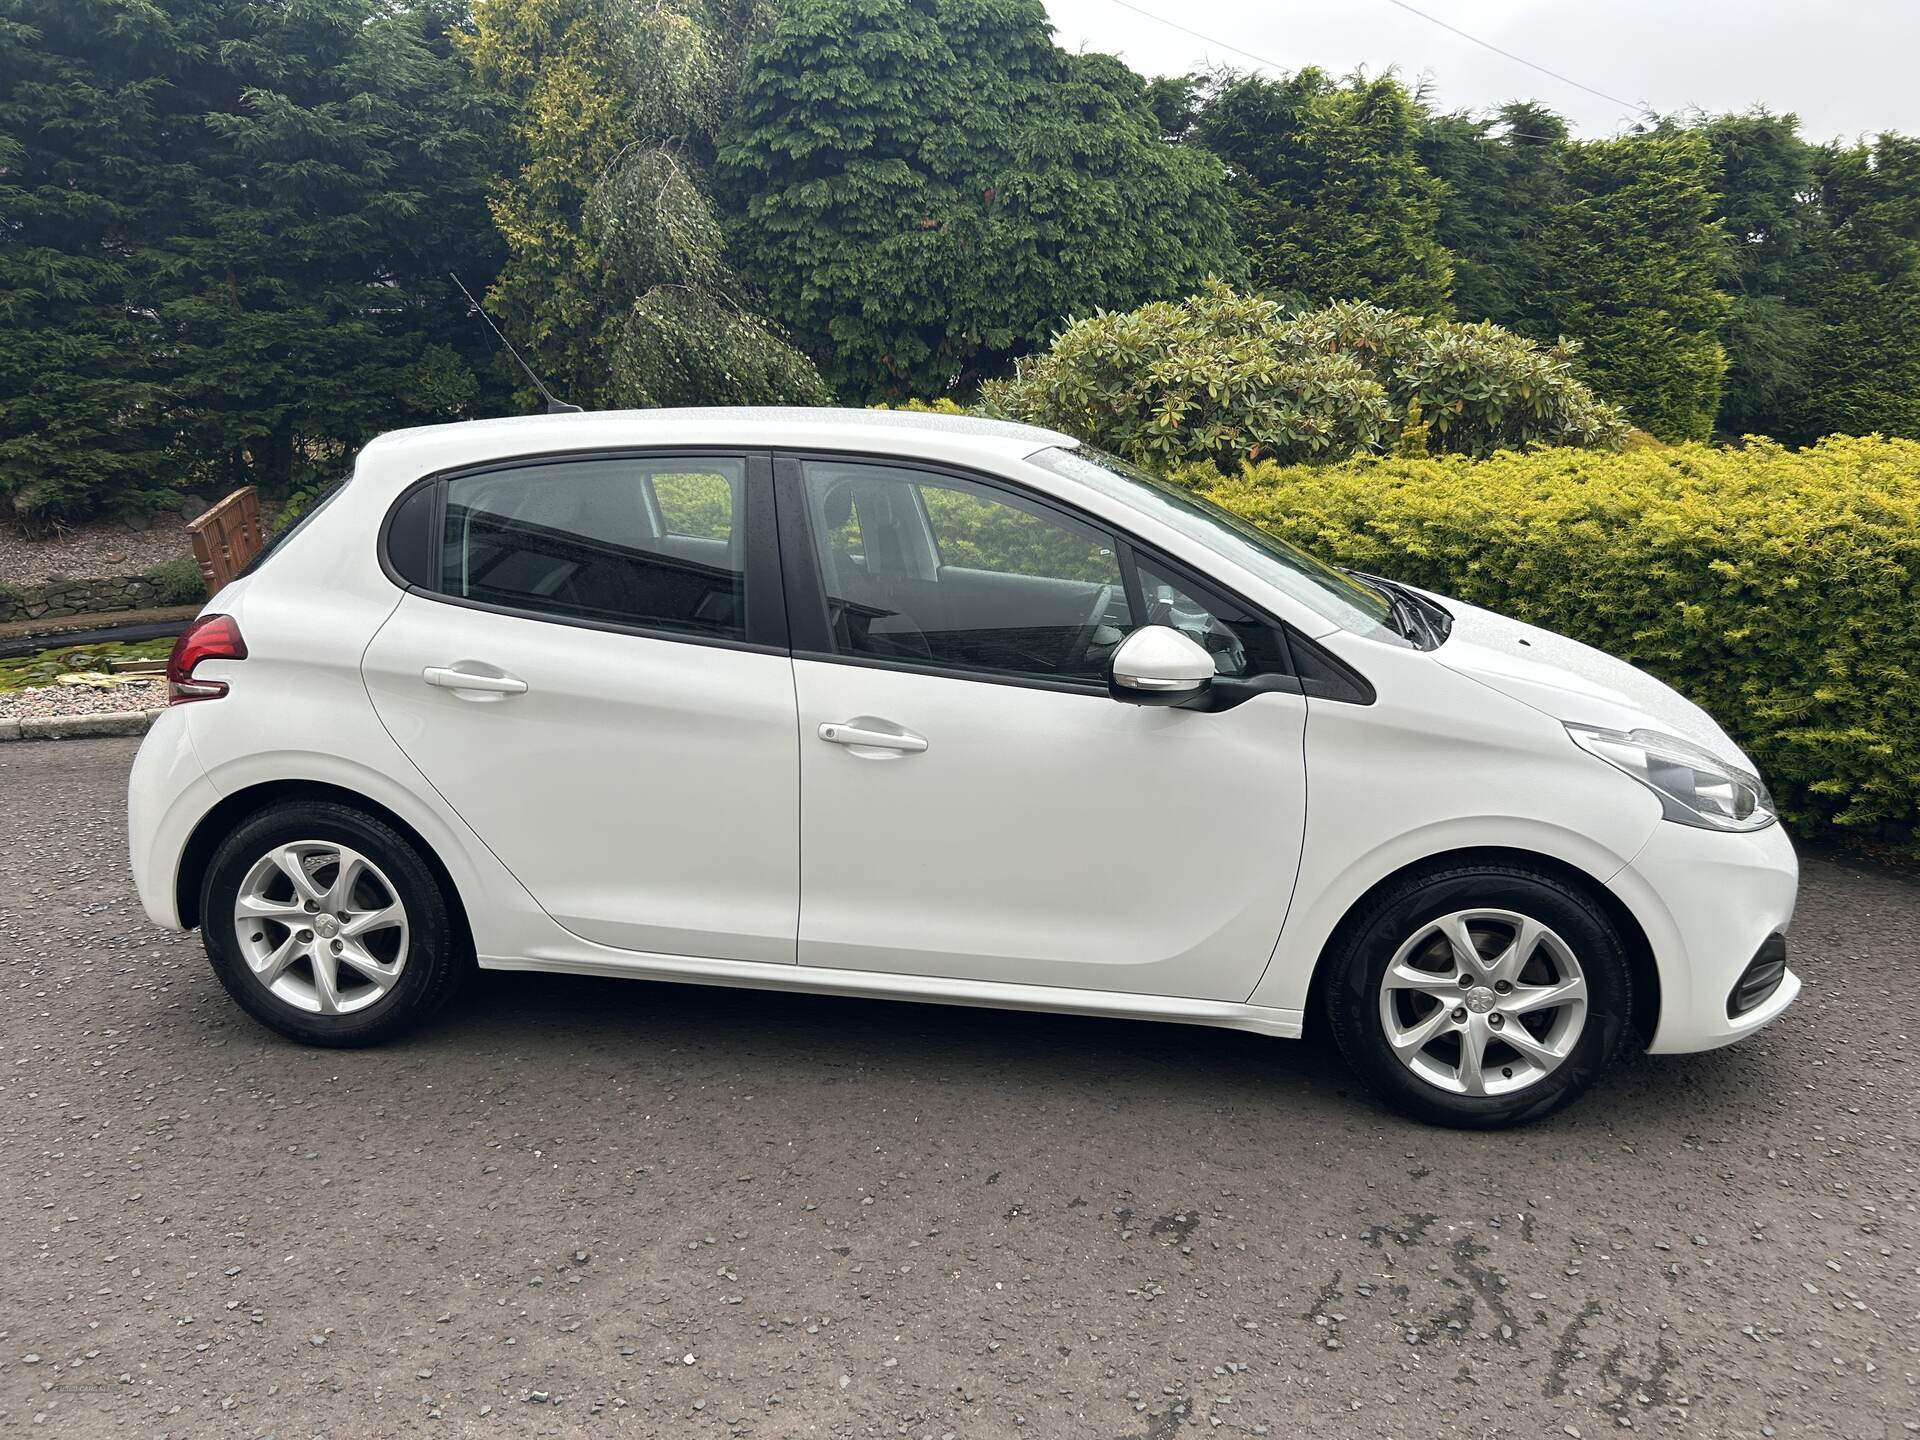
(60, 597)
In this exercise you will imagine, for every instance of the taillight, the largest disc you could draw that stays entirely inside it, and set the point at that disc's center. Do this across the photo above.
(211, 637)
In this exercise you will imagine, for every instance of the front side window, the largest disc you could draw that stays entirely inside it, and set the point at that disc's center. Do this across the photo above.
(653, 543)
(946, 572)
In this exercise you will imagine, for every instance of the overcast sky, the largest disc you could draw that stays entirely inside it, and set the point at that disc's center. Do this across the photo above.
(1844, 66)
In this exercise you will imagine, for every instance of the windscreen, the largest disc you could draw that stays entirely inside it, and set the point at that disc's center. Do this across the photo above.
(1329, 593)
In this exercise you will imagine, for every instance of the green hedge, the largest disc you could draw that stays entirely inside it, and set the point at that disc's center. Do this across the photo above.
(1776, 588)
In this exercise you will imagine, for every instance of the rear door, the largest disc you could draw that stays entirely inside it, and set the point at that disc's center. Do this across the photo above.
(590, 667)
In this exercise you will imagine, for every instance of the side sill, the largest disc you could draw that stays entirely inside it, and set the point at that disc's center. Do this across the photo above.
(926, 989)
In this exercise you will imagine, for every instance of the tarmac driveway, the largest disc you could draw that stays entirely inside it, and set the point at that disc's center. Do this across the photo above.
(578, 1205)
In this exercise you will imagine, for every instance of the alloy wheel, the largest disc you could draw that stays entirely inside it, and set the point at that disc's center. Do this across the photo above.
(321, 927)
(1483, 1002)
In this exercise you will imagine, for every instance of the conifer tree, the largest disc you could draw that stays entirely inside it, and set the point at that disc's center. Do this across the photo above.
(927, 190)
(1330, 199)
(1632, 262)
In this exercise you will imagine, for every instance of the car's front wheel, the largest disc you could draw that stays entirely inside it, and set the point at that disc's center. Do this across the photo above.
(327, 925)
(1480, 995)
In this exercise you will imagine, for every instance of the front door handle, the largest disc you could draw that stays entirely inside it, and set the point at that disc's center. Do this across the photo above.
(865, 734)
(452, 677)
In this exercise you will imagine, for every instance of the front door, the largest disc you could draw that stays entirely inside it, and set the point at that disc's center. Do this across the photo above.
(584, 682)
(974, 804)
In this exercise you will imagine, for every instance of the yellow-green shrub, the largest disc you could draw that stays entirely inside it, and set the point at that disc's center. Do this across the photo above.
(1777, 588)
(1220, 376)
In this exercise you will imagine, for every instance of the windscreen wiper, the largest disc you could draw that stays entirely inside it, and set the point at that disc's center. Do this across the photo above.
(1406, 614)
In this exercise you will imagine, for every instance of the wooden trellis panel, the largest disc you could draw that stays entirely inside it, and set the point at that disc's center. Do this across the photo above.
(227, 537)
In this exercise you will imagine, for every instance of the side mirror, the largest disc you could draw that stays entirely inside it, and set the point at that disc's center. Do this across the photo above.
(1157, 665)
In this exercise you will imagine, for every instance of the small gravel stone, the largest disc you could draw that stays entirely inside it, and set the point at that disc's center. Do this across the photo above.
(97, 551)
(82, 700)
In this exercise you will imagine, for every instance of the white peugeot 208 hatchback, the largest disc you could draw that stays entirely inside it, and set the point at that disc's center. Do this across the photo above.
(937, 709)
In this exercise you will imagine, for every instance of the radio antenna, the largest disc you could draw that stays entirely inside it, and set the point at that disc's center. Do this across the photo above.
(555, 405)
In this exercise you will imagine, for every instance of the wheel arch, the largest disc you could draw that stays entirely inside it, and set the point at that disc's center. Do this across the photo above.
(231, 810)
(1642, 969)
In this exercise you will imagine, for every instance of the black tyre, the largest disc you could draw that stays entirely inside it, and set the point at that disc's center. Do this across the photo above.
(1480, 995)
(327, 925)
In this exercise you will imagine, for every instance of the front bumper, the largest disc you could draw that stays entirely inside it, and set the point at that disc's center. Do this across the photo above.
(1709, 901)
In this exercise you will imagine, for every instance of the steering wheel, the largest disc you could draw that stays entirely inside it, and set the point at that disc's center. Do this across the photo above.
(1090, 627)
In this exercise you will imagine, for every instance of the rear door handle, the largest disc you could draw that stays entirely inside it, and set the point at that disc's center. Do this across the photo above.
(864, 734)
(452, 677)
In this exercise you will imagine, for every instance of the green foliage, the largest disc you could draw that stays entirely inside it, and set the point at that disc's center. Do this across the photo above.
(1215, 377)
(300, 500)
(1175, 102)
(1862, 283)
(1330, 199)
(82, 130)
(1503, 179)
(924, 189)
(1221, 376)
(1612, 242)
(943, 406)
(1768, 229)
(228, 226)
(988, 534)
(549, 64)
(334, 196)
(178, 582)
(1780, 589)
(1632, 269)
(617, 278)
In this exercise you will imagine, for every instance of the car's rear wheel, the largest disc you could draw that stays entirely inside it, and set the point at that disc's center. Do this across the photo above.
(1480, 995)
(328, 925)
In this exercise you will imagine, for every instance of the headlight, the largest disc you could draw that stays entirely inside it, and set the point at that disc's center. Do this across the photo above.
(1695, 786)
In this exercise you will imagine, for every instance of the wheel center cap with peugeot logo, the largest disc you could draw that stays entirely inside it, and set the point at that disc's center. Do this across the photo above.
(326, 925)
(1480, 1000)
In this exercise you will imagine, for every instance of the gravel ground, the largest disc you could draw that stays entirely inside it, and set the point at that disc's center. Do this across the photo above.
(82, 699)
(92, 552)
(577, 1205)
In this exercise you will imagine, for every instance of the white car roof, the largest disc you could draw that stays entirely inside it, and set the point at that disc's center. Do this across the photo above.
(402, 455)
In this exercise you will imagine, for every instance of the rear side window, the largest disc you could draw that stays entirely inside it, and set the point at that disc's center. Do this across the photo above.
(655, 543)
(694, 503)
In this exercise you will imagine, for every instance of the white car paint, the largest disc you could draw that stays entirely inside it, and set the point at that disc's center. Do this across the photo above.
(1571, 681)
(1033, 795)
(656, 808)
(674, 766)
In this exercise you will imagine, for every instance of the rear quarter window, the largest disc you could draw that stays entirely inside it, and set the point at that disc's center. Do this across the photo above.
(280, 537)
